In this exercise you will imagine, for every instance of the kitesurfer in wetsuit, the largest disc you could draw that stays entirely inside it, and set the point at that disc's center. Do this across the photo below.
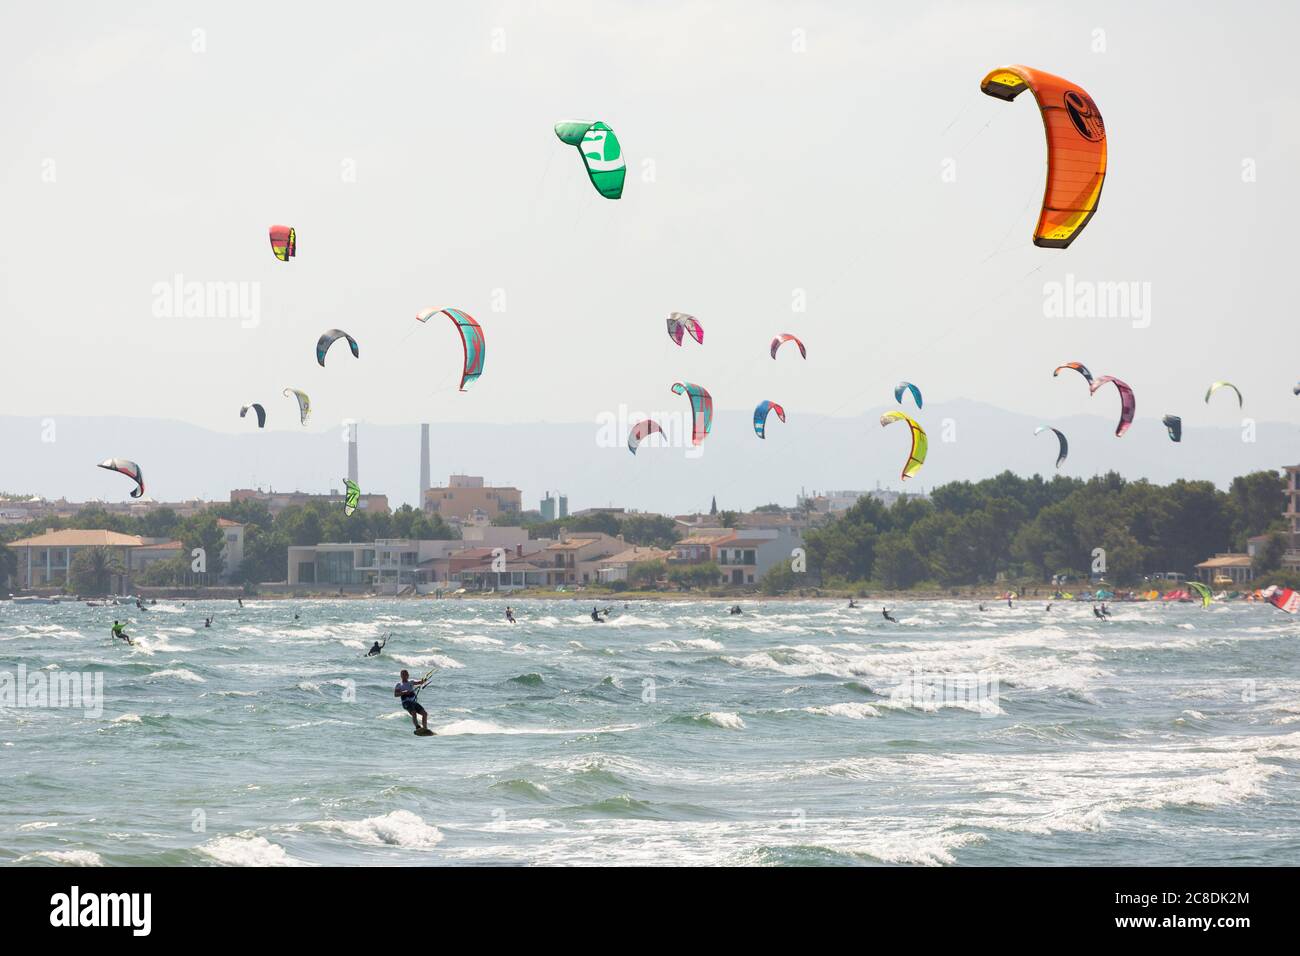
(595, 616)
(888, 616)
(510, 615)
(241, 601)
(1104, 611)
(736, 609)
(981, 605)
(377, 647)
(119, 631)
(406, 689)
(851, 604)
(207, 622)
(1049, 606)
(1095, 612)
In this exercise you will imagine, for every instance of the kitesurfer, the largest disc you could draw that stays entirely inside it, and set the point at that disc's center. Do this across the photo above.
(736, 609)
(119, 632)
(595, 616)
(376, 648)
(207, 622)
(888, 616)
(851, 603)
(408, 691)
(510, 615)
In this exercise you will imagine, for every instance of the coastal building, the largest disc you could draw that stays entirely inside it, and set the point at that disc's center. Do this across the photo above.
(548, 508)
(837, 502)
(278, 501)
(697, 547)
(616, 566)
(1226, 568)
(233, 534)
(575, 558)
(1291, 561)
(22, 510)
(465, 494)
(45, 560)
(745, 555)
(392, 565)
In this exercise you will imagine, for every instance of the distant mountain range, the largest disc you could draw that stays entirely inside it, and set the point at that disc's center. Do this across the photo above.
(590, 462)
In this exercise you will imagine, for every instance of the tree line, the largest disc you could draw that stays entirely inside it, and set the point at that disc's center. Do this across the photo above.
(1032, 529)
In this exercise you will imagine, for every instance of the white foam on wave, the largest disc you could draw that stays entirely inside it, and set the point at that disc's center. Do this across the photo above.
(126, 719)
(855, 711)
(691, 644)
(727, 721)
(177, 673)
(247, 850)
(437, 661)
(401, 828)
(458, 728)
(36, 825)
(66, 857)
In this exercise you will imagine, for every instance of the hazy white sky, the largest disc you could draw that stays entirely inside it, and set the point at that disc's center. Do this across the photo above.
(416, 159)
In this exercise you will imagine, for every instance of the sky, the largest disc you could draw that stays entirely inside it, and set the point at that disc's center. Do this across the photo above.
(828, 169)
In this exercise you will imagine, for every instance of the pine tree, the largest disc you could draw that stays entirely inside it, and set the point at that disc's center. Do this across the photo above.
(713, 509)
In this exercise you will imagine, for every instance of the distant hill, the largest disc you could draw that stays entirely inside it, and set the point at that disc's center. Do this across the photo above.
(968, 440)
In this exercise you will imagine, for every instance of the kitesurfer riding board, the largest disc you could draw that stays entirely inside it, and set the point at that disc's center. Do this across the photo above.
(409, 692)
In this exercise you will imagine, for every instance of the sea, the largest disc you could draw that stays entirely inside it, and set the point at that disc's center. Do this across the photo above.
(795, 733)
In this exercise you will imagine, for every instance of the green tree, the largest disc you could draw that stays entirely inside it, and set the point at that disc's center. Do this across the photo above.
(1269, 557)
(92, 571)
(898, 563)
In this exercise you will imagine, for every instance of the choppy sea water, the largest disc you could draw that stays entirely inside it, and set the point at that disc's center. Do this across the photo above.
(795, 733)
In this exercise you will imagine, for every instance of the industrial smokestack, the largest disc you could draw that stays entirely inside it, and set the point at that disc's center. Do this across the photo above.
(424, 462)
(352, 453)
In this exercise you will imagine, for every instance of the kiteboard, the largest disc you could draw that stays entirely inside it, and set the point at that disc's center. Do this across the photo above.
(425, 733)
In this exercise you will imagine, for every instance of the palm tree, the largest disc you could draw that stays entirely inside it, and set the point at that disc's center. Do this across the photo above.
(93, 569)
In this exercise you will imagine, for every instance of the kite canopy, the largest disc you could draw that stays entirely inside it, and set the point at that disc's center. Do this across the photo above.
(1076, 149)
(761, 413)
(284, 242)
(352, 498)
(471, 340)
(1218, 385)
(640, 431)
(1284, 599)
(1174, 425)
(902, 387)
(328, 338)
(1064, 450)
(1127, 403)
(1203, 591)
(129, 468)
(920, 444)
(601, 152)
(1078, 367)
(701, 409)
(681, 324)
(304, 403)
(261, 413)
(787, 337)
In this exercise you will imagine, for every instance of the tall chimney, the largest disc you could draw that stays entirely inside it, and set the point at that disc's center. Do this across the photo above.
(424, 462)
(352, 453)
